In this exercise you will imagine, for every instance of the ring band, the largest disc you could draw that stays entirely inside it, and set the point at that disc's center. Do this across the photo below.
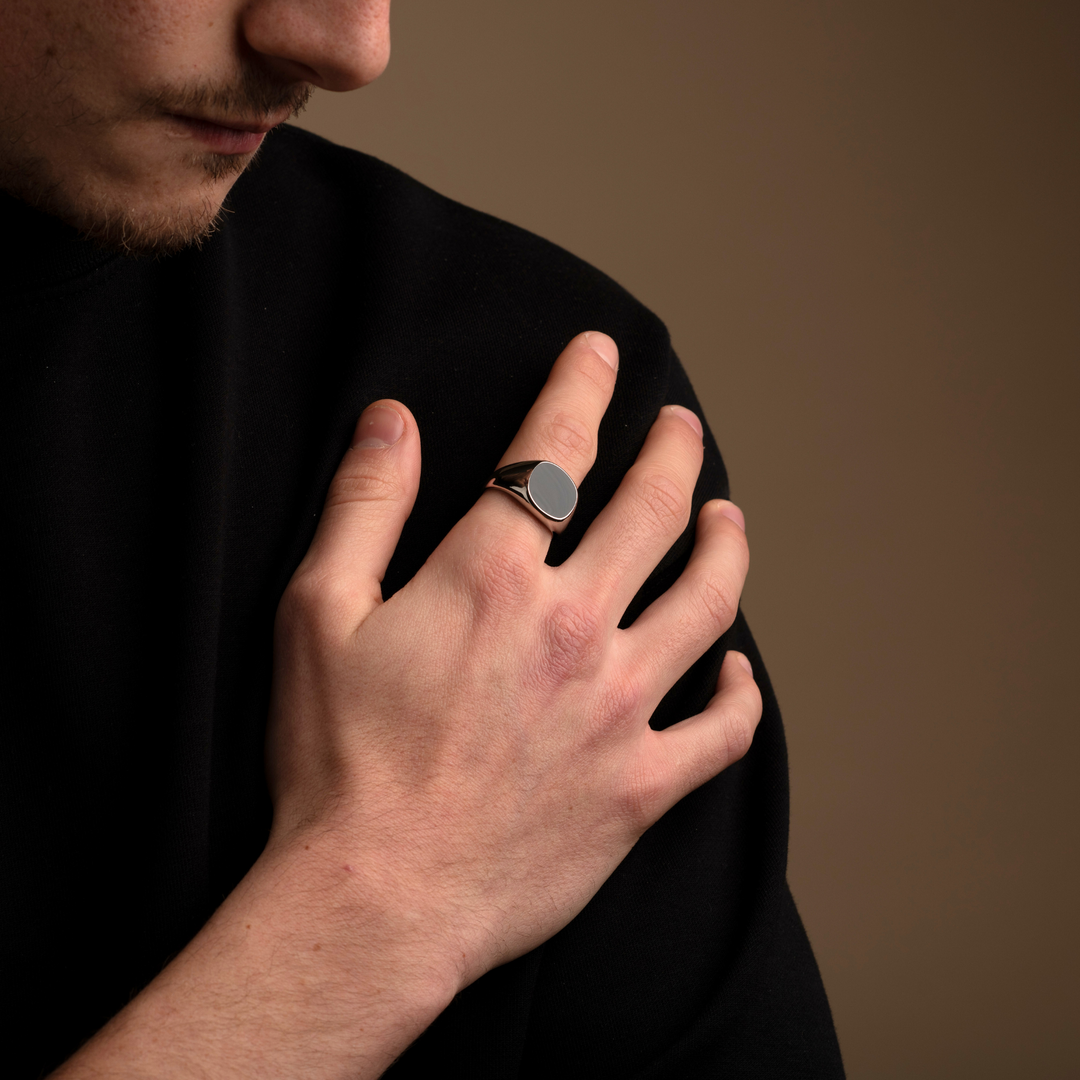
(543, 488)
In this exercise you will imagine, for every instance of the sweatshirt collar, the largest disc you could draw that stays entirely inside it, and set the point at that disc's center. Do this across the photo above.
(40, 250)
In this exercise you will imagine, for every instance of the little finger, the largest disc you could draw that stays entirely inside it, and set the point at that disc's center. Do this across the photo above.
(684, 756)
(679, 626)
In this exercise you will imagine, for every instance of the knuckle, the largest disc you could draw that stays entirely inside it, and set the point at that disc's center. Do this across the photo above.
(741, 553)
(641, 796)
(592, 366)
(738, 733)
(664, 502)
(621, 701)
(300, 601)
(310, 605)
(570, 435)
(501, 575)
(573, 640)
(719, 600)
(363, 485)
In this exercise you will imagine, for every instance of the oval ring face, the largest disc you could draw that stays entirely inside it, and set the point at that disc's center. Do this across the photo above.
(552, 491)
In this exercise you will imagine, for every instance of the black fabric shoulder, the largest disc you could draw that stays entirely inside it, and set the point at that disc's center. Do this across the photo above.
(442, 304)
(168, 431)
(342, 185)
(307, 191)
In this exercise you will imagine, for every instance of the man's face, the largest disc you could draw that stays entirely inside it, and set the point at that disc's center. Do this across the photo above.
(131, 119)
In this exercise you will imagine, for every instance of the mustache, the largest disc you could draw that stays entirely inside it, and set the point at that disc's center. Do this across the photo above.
(254, 93)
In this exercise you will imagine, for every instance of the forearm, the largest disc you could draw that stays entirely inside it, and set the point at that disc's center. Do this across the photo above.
(302, 972)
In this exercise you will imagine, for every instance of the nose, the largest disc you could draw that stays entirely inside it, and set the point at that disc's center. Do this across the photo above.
(334, 44)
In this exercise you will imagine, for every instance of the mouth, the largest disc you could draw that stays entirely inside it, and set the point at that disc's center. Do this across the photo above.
(230, 137)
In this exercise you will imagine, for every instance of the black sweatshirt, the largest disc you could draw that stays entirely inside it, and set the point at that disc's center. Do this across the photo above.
(168, 430)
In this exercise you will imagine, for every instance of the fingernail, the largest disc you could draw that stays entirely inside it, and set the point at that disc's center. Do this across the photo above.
(688, 416)
(730, 510)
(743, 662)
(378, 427)
(604, 347)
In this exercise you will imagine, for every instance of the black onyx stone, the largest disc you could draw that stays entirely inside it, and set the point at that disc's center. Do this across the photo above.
(552, 491)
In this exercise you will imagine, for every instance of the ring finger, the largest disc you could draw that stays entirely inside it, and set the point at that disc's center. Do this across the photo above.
(560, 427)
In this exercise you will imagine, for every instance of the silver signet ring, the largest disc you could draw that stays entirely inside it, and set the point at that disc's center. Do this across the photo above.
(542, 487)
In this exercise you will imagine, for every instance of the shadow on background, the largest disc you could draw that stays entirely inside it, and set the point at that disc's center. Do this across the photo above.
(860, 223)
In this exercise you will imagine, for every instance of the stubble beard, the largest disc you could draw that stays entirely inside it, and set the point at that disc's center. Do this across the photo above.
(105, 218)
(109, 223)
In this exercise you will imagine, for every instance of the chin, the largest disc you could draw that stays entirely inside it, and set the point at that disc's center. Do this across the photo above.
(172, 222)
(124, 219)
(149, 233)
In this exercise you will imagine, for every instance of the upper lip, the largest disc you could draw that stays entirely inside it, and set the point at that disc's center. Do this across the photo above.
(256, 127)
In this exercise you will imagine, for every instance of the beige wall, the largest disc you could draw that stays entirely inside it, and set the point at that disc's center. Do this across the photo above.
(859, 221)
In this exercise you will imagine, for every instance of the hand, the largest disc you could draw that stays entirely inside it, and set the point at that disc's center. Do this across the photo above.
(456, 771)
(475, 753)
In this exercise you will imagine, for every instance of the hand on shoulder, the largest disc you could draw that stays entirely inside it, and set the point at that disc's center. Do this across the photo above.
(455, 771)
(478, 747)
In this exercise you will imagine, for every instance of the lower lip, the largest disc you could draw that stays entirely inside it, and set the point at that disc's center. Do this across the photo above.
(222, 139)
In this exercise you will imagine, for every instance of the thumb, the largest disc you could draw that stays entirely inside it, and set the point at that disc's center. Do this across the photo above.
(370, 497)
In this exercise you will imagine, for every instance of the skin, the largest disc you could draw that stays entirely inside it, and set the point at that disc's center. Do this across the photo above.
(96, 99)
(455, 772)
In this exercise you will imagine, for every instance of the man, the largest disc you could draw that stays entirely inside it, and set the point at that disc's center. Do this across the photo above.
(455, 772)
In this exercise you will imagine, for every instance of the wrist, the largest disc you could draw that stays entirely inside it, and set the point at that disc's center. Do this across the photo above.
(357, 944)
(303, 972)
(379, 897)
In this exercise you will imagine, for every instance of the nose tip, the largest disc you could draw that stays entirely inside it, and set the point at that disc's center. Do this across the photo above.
(333, 44)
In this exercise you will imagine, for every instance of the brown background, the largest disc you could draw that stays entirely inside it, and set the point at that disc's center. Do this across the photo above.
(859, 221)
